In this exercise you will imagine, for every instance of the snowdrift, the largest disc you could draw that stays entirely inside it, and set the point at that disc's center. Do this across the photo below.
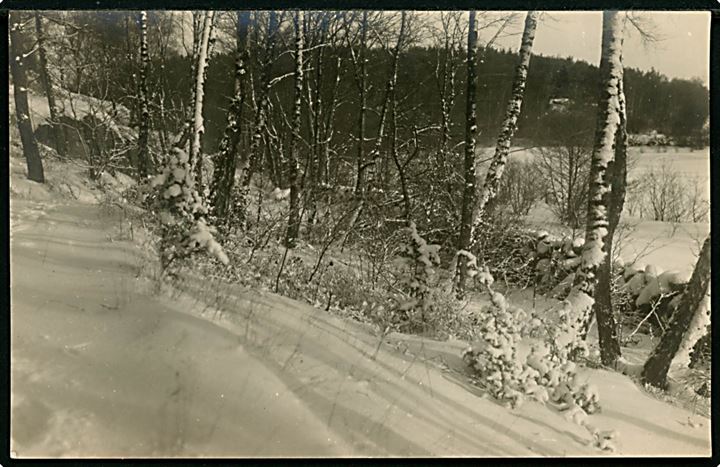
(104, 365)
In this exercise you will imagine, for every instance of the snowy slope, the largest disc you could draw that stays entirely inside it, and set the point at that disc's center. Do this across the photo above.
(103, 365)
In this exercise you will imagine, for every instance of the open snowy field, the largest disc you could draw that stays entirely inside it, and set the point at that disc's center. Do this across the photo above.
(102, 365)
(668, 245)
(642, 159)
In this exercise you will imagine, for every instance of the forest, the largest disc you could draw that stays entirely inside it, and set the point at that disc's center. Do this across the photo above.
(382, 184)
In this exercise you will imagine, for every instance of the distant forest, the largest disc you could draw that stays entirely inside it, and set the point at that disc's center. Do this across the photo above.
(677, 108)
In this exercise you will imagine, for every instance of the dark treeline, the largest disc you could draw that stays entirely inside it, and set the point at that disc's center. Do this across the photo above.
(677, 108)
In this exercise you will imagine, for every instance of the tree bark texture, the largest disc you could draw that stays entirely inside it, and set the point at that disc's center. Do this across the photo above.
(468, 199)
(608, 125)
(226, 163)
(46, 80)
(657, 365)
(144, 123)
(22, 108)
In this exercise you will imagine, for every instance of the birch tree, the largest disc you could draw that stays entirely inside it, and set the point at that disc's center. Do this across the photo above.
(468, 199)
(144, 121)
(200, 73)
(692, 305)
(497, 166)
(293, 228)
(617, 176)
(579, 304)
(22, 109)
(47, 83)
(224, 172)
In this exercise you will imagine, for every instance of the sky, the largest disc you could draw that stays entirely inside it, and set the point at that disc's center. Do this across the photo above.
(681, 51)
(681, 48)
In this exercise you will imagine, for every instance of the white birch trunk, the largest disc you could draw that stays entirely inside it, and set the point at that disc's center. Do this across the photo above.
(581, 298)
(144, 124)
(200, 72)
(497, 166)
(468, 201)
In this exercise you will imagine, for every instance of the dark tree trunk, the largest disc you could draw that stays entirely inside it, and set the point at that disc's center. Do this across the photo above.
(22, 109)
(46, 80)
(224, 173)
(468, 201)
(657, 365)
(390, 97)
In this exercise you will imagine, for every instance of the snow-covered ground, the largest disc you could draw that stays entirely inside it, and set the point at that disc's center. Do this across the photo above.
(102, 364)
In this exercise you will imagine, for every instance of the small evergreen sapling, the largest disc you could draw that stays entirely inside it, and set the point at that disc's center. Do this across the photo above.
(547, 375)
(182, 212)
(500, 330)
(418, 260)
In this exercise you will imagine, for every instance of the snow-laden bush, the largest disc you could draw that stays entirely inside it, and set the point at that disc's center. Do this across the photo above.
(182, 212)
(495, 357)
(547, 374)
(556, 260)
(422, 304)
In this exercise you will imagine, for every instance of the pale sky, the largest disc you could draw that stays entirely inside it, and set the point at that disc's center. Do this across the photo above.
(682, 48)
(682, 51)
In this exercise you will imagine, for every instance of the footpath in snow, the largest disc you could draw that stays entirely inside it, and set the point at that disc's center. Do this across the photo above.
(104, 366)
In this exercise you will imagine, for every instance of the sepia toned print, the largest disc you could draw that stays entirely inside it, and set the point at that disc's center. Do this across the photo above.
(359, 233)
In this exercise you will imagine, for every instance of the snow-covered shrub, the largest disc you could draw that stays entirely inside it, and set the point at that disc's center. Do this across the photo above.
(182, 212)
(422, 305)
(547, 373)
(555, 260)
(665, 194)
(495, 356)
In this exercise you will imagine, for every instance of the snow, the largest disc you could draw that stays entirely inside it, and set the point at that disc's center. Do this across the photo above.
(102, 364)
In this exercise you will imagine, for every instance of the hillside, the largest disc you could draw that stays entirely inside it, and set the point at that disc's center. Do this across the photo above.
(102, 365)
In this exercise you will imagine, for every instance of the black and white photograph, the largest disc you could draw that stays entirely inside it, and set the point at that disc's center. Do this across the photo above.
(287, 233)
